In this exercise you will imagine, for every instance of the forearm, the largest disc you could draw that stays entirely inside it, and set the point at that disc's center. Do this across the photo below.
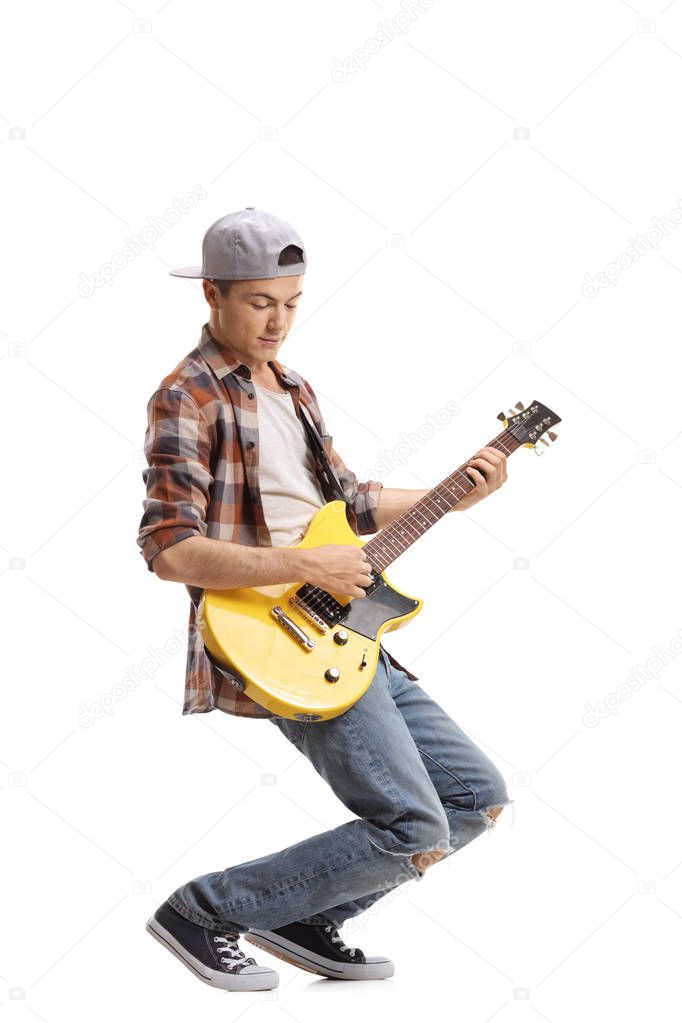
(393, 502)
(219, 564)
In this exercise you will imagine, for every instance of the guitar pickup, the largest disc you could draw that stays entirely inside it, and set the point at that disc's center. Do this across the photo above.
(302, 607)
(287, 623)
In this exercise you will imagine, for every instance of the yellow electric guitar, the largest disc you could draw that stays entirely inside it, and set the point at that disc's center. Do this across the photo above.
(309, 654)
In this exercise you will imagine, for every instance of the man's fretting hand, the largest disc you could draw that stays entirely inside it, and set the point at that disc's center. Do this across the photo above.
(488, 470)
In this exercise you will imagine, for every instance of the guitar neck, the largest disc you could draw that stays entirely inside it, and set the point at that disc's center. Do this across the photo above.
(390, 542)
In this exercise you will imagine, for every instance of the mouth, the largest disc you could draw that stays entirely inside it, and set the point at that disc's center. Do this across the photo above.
(270, 340)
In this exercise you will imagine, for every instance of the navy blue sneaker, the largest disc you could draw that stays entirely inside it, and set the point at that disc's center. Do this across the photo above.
(319, 948)
(212, 956)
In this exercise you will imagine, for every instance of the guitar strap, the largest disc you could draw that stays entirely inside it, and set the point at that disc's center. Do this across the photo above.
(331, 488)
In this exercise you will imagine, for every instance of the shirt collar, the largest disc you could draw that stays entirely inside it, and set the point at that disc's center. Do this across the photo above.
(217, 358)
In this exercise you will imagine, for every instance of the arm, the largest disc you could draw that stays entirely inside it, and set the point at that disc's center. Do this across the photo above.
(218, 564)
(178, 478)
(172, 534)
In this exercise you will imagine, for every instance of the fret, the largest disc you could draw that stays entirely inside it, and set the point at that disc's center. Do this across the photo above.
(405, 524)
(417, 525)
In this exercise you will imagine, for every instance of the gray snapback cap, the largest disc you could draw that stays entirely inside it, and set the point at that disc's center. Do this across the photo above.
(246, 246)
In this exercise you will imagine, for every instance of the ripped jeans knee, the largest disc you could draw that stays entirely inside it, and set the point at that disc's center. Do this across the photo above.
(492, 798)
(417, 835)
(437, 840)
(490, 815)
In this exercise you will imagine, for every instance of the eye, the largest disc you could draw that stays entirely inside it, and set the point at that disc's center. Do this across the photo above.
(255, 306)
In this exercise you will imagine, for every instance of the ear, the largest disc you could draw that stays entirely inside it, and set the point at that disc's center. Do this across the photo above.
(210, 293)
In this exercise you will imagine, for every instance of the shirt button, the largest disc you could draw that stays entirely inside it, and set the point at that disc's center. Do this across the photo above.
(250, 394)
(251, 444)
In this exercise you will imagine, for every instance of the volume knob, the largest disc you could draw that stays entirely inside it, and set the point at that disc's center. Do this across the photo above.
(332, 674)
(341, 637)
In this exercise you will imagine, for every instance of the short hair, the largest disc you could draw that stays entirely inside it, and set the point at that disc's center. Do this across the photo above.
(289, 256)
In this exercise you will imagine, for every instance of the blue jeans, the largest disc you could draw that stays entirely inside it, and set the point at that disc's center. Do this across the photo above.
(415, 781)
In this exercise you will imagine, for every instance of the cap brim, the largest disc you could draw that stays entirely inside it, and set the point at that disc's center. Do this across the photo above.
(187, 271)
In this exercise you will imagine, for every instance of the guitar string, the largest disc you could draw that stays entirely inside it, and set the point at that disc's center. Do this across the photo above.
(320, 600)
(322, 597)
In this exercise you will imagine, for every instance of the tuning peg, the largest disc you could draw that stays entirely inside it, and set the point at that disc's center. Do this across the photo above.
(511, 412)
(520, 406)
(545, 442)
(501, 416)
(552, 435)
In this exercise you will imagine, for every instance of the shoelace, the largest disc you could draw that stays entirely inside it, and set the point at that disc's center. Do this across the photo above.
(237, 960)
(336, 938)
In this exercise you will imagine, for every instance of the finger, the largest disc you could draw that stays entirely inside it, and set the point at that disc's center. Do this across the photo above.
(500, 467)
(495, 479)
(483, 465)
(494, 475)
(477, 476)
(493, 455)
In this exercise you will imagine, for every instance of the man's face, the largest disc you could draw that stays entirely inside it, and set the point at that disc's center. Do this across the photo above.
(252, 313)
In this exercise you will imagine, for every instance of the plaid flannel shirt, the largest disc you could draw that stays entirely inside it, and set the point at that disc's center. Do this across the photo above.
(202, 449)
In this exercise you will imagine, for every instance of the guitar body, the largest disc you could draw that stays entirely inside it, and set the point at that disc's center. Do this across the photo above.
(268, 637)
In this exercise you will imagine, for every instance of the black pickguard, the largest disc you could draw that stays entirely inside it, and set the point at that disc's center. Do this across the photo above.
(366, 616)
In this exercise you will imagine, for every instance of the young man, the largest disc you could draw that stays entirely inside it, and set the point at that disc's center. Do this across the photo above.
(231, 484)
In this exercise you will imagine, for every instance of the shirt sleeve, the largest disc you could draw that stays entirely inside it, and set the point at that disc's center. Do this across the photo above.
(177, 446)
(362, 497)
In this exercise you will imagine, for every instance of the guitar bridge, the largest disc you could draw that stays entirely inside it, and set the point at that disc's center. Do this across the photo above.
(286, 622)
(315, 619)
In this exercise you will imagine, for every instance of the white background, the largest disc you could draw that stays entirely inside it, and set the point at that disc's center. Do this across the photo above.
(455, 179)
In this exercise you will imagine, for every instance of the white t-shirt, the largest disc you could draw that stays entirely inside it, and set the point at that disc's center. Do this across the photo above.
(289, 486)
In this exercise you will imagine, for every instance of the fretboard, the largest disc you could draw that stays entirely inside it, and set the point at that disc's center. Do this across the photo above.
(390, 542)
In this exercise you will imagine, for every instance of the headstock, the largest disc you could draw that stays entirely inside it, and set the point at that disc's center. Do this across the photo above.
(530, 423)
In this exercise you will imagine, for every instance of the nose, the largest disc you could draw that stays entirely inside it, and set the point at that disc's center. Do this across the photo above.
(278, 320)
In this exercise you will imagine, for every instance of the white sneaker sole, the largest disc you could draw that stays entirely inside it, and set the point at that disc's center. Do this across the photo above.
(376, 967)
(252, 978)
